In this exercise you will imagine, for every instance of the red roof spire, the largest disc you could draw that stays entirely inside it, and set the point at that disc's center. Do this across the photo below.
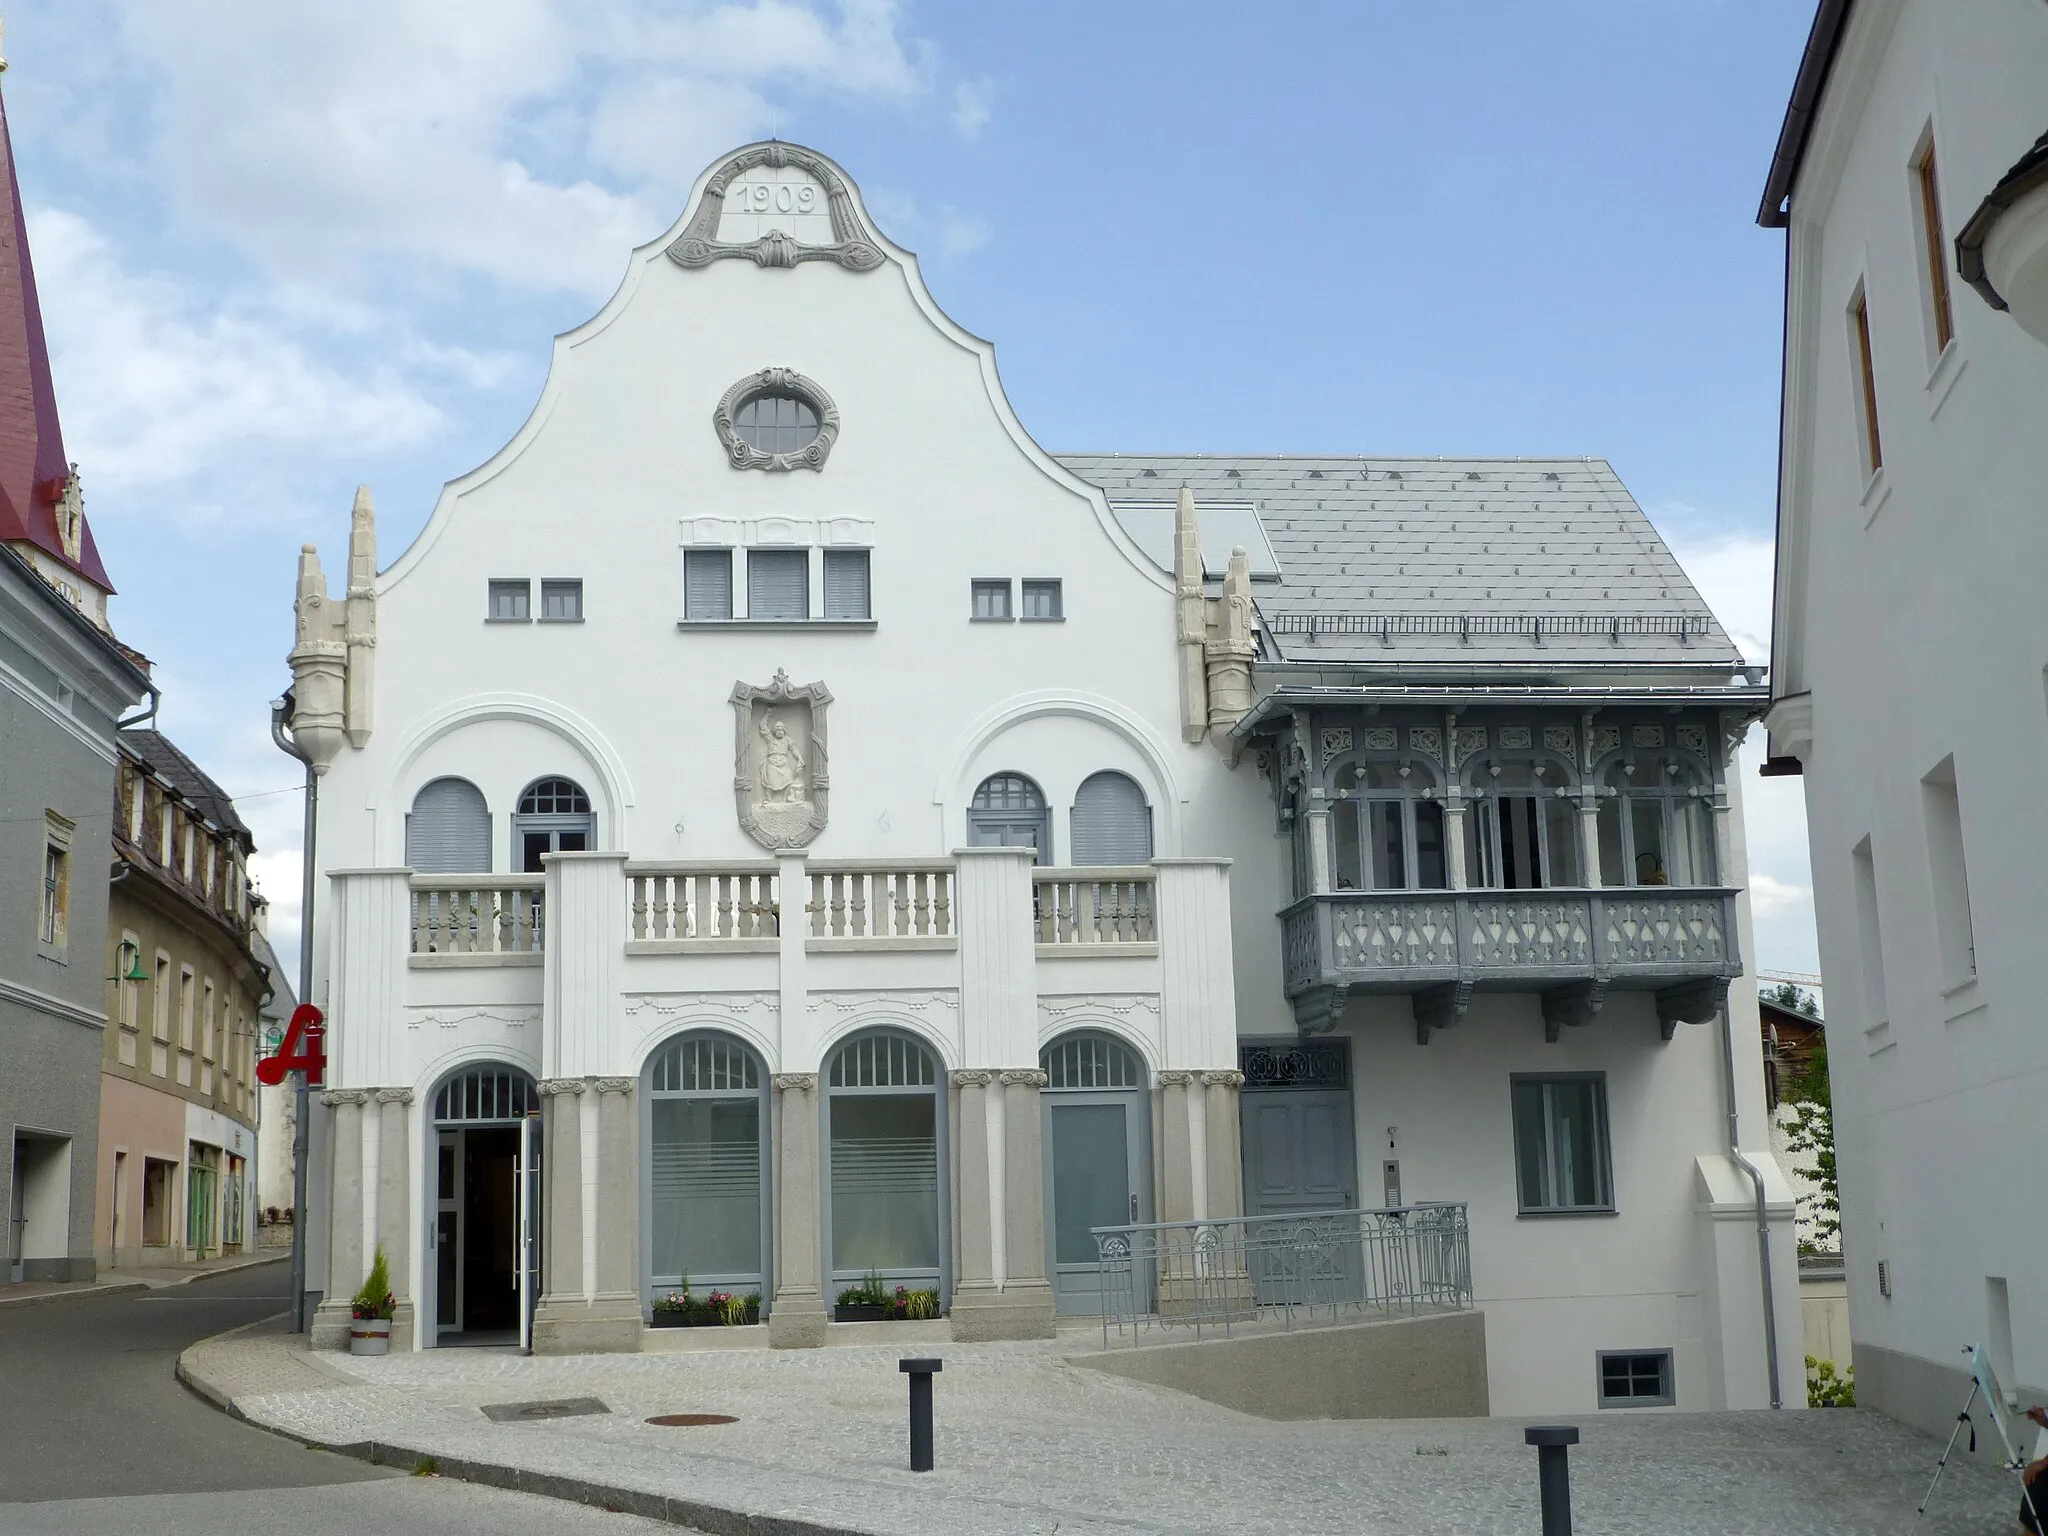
(34, 472)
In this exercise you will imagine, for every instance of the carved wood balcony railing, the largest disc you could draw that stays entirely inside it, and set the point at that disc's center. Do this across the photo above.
(481, 916)
(1571, 946)
(1093, 905)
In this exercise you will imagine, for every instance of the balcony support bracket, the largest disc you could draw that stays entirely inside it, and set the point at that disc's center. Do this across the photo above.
(1571, 1005)
(1317, 1010)
(1440, 1007)
(1691, 1002)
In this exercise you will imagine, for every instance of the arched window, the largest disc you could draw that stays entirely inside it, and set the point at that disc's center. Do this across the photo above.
(448, 831)
(486, 1095)
(1523, 831)
(1387, 828)
(1112, 824)
(707, 1127)
(1656, 825)
(1008, 811)
(883, 1100)
(554, 817)
(1090, 1061)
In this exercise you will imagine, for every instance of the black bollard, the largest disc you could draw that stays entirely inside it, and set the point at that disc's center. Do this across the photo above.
(1554, 1473)
(920, 1374)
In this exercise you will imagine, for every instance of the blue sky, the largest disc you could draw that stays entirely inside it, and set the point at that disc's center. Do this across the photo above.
(287, 249)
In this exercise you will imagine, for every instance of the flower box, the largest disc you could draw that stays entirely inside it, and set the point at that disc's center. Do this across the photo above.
(702, 1317)
(864, 1312)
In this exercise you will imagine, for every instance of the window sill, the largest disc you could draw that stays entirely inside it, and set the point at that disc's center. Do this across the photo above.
(829, 626)
(56, 954)
(990, 618)
(1960, 999)
(1566, 1215)
(1047, 618)
(488, 620)
(577, 620)
(1947, 369)
(1876, 492)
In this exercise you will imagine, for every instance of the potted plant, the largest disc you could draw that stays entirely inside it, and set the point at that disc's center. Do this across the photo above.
(673, 1309)
(874, 1300)
(369, 1331)
(720, 1309)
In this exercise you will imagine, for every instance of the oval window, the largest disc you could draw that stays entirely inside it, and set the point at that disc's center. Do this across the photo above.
(776, 424)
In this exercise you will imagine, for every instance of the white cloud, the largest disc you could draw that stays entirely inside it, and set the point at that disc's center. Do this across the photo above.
(1733, 572)
(942, 232)
(972, 102)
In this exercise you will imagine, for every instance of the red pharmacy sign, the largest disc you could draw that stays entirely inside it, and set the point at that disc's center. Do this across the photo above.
(304, 1050)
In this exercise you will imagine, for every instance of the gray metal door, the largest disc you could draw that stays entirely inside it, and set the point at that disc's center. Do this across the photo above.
(1299, 1156)
(1095, 1176)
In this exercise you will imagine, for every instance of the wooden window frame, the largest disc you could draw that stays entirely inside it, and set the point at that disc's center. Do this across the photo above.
(1927, 181)
(1866, 382)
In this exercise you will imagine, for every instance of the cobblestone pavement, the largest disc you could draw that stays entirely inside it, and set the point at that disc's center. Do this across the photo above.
(1030, 1443)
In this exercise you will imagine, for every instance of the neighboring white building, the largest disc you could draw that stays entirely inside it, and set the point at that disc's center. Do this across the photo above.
(870, 842)
(1912, 179)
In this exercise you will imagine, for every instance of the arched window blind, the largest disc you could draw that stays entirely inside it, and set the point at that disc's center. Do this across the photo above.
(449, 830)
(1112, 822)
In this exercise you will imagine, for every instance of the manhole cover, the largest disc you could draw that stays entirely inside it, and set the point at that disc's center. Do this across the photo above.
(687, 1420)
(557, 1408)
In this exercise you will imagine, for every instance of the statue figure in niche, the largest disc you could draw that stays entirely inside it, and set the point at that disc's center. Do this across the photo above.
(779, 780)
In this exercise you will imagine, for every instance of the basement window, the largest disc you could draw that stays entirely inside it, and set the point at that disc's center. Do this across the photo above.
(1636, 1379)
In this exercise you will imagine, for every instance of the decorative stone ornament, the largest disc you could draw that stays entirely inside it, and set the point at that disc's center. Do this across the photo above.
(779, 779)
(742, 454)
(699, 244)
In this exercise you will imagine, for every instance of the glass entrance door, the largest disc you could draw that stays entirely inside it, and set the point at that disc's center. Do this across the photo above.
(1095, 1169)
(448, 1234)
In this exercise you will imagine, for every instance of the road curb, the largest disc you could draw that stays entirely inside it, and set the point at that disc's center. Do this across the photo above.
(713, 1519)
(114, 1288)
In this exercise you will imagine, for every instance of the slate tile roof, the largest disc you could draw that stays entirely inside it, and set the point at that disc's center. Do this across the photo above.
(190, 780)
(1481, 560)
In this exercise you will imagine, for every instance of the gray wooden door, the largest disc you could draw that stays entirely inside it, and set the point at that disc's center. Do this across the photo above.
(1095, 1177)
(1300, 1156)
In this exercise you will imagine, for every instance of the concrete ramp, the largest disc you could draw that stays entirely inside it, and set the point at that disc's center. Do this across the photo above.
(1427, 1367)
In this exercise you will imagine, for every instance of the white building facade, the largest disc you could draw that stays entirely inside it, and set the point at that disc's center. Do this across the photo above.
(1912, 181)
(873, 846)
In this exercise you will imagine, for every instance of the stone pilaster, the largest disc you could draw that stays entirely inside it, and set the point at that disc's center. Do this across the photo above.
(975, 1278)
(590, 1302)
(1225, 1154)
(561, 1240)
(1027, 1294)
(329, 1328)
(797, 1316)
(1177, 1173)
(395, 1216)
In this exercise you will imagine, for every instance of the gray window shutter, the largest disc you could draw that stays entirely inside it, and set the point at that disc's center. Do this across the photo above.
(449, 830)
(1112, 823)
(846, 584)
(707, 584)
(778, 583)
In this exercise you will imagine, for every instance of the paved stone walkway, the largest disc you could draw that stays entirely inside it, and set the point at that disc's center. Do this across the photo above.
(1028, 1442)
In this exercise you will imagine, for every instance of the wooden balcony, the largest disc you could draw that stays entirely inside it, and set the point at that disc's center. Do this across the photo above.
(1570, 947)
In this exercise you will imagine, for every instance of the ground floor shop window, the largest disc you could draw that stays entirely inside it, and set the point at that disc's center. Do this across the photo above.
(707, 1125)
(884, 1108)
(156, 1202)
(1561, 1156)
(202, 1196)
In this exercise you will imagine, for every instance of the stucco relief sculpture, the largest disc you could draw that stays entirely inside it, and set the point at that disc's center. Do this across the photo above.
(698, 245)
(779, 776)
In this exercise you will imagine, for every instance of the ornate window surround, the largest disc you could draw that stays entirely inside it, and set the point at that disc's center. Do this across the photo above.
(744, 455)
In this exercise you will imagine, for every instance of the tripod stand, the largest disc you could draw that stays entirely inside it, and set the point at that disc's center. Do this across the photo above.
(1984, 1380)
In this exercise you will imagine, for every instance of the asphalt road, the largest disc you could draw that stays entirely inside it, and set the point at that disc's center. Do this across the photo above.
(97, 1438)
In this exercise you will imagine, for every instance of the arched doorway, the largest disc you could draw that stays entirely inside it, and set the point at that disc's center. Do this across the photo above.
(706, 1128)
(1097, 1158)
(885, 1106)
(480, 1116)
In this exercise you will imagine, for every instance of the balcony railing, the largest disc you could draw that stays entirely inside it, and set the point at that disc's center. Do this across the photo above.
(1284, 1269)
(702, 902)
(881, 900)
(480, 915)
(1097, 905)
(1661, 938)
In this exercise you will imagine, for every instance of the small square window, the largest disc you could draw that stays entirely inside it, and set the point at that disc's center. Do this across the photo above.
(561, 602)
(992, 599)
(1042, 600)
(707, 584)
(1561, 1161)
(511, 602)
(779, 584)
(846, 584)
(1636, 1379)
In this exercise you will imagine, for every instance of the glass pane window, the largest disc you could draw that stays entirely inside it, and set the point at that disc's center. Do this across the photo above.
(778, 584)
(776, 424)
(846, 584)
(1091, 1185)
(1009, 811)
(1387, 832)
(561, 602)
(707, 584)
(1387, 842)
(511, 602)
(1561, 1155)
(1432, 867)
(885, 1183)
(1641, 1380)
(991, 599)
(706, 1187)
(1042, 600)
(1655, 823)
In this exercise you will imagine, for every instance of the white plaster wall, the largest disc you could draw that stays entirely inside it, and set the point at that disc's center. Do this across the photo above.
(1912, 611)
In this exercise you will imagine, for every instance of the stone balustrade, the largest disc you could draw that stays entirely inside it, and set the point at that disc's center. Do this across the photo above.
(483, 916)
(690, 903)
(1095, 905)
(881, 899)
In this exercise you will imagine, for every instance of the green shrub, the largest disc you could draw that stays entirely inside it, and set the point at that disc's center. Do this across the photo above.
(1825, 1389)
(374, 1300)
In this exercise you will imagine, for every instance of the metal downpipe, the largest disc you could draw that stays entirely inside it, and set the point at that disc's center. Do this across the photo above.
(1763, 1225)
(280, 713)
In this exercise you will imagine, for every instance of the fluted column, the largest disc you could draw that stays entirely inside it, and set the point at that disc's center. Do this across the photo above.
(618, 1199)
(975, 1183)
(395, 1213)
(1177, 1173)
(1225, 1154)
(590, 1301)
(796, 1318)
(345, 1260)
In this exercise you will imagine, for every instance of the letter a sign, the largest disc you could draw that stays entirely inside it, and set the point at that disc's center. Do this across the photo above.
(304, 1050)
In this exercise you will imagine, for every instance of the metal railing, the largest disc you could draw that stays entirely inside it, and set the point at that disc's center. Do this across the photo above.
(1283, 1269)
(487, 915)
(701, 901)
(1105, 905)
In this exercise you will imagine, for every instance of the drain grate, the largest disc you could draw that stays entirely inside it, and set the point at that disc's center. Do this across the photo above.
(555, 1408)
(690, 1420)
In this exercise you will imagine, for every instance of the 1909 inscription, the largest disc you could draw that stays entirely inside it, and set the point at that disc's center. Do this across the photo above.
(760, 197)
